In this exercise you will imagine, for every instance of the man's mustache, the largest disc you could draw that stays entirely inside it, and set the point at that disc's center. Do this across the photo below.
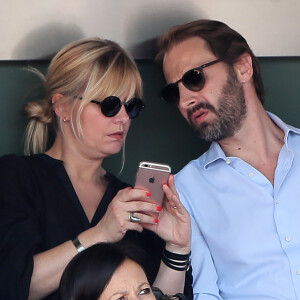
(202, 105)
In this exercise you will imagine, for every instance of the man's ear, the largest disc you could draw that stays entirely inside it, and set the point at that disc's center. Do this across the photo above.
(60, 106)
(243, 67)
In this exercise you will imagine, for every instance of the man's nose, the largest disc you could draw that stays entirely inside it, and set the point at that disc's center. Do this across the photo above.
(187, 98)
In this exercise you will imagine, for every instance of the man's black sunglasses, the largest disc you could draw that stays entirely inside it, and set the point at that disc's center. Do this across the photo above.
(111, 105)
(193, 80)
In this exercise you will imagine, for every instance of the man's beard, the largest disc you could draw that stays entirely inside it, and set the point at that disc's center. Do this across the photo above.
(229, 115)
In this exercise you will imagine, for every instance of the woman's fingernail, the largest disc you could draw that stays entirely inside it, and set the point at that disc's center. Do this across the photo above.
(148, 194)
(158, 208)
(156, 221)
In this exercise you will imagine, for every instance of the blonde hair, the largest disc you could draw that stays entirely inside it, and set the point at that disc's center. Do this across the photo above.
(92, 68)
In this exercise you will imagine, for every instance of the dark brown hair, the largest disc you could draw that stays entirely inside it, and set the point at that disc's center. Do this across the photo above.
(222, 40)
(89, 272)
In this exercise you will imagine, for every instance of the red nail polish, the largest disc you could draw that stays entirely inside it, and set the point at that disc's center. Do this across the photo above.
(156, 221)
(148, 194)
(158, 208)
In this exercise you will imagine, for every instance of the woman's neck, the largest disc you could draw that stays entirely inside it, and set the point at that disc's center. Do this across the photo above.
(77, 165)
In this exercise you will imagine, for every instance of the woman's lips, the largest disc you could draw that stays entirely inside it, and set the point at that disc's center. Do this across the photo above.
(118, 135)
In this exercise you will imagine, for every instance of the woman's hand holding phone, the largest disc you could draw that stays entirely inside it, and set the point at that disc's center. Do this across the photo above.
(116, 221)
(154, 195)
(174, 221)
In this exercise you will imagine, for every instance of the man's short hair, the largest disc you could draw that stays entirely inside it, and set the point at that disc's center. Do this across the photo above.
(222, 40)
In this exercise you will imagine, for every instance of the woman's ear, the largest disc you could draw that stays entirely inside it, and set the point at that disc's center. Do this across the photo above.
(61, 107)
(243, 67)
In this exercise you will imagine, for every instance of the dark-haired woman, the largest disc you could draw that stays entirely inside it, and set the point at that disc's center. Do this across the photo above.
(108, 271)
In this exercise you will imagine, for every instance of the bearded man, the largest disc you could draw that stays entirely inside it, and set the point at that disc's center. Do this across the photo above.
(243, 193)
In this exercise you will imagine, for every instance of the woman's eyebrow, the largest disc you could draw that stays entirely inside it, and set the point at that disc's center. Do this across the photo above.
(124, 292)
(117, 293)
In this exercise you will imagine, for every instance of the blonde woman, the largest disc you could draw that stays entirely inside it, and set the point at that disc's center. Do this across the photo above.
(59, 200)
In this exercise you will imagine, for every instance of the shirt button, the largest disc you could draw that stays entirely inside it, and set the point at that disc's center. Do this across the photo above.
(298, 272)
(276, 201)
(228, 161)
(287, 239)
(251, 174)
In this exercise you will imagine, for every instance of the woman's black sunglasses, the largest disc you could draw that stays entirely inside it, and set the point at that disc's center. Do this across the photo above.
(111, 105)
(193, 80)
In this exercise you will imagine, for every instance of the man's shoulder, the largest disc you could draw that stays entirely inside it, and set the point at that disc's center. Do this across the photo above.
(195, 165)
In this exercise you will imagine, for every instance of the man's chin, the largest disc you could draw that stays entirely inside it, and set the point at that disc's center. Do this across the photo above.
(203, 127)
(207, 132)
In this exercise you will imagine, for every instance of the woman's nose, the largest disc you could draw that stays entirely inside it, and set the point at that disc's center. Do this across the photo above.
(122, 115)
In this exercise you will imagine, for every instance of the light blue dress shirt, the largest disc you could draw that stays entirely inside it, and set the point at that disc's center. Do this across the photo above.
(245, 231)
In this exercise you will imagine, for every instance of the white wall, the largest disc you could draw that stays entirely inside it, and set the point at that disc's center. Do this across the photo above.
(35, 29)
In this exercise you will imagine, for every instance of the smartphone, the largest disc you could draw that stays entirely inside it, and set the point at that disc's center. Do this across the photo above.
(150, 177)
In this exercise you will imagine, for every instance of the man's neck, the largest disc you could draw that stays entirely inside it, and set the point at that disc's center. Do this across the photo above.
(258, 142)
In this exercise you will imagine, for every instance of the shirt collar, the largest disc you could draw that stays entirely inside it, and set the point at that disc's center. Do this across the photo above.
(285, 127)
(215, 152)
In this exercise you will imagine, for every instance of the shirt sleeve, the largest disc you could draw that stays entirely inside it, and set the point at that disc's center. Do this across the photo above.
(19, 229)
(204, 273)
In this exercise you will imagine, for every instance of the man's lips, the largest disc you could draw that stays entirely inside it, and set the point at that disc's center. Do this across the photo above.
(199, 115)
(118, 135)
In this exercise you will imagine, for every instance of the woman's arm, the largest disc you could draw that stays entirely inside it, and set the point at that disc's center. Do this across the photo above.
(49, 265)
(48, 268)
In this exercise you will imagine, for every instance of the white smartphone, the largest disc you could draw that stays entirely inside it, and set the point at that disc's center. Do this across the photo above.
(150, 177)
